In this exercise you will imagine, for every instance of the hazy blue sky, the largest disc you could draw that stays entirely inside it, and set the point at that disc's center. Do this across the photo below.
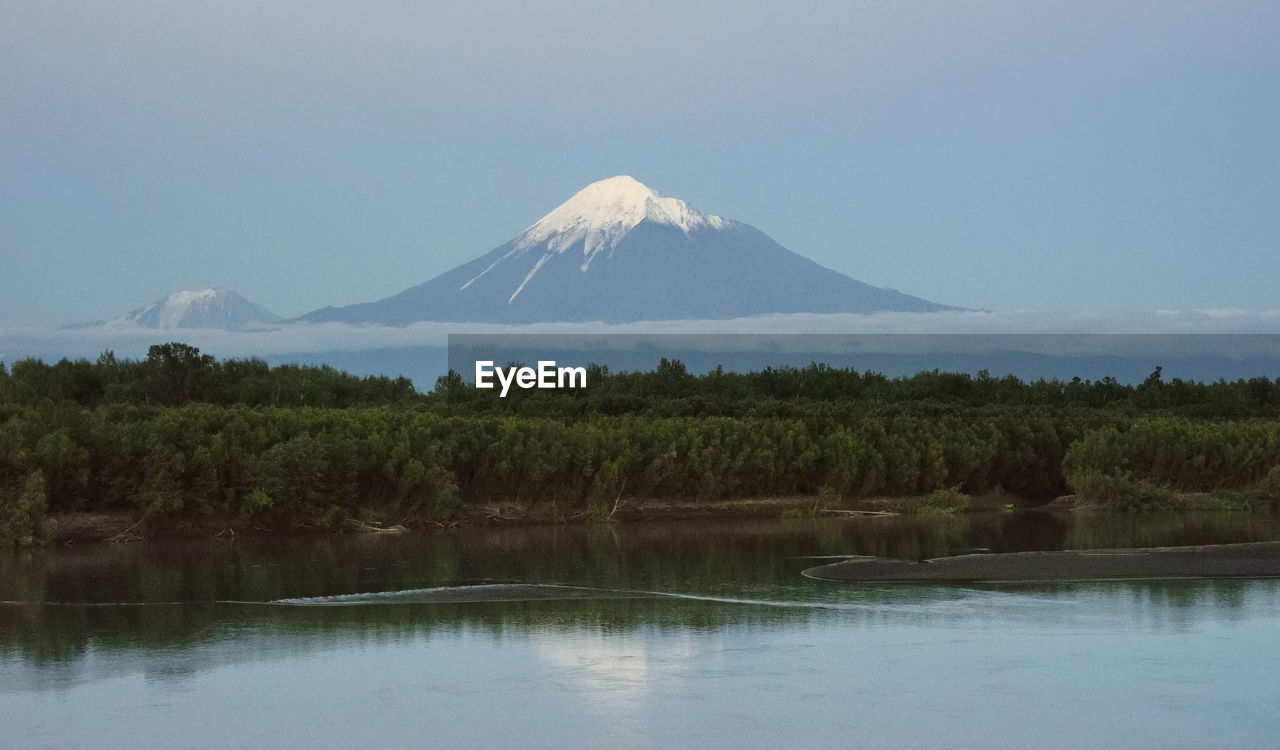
(1007, 155)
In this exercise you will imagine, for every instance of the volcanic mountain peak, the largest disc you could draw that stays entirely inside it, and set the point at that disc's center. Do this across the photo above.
(602, 213)
(215, 307)
(618, 251)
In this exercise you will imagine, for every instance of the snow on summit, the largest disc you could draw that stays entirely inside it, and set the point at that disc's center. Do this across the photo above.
(604, 211)
(599, 216)
(172, 309)
(215, 307)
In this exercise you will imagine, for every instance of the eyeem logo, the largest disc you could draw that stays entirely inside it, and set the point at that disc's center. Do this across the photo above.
(547, 375)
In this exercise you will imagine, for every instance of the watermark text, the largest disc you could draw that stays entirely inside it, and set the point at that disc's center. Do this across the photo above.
(545, 375)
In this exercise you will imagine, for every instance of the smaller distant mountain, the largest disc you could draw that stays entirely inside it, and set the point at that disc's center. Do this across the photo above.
(216, 307)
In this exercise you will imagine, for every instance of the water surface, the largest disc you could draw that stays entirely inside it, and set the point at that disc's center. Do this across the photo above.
(674, 634)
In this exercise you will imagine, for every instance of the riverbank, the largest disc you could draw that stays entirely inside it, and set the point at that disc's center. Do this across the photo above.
(79, 528)
(123, 527)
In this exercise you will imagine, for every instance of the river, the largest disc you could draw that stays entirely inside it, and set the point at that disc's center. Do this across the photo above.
(690, 634)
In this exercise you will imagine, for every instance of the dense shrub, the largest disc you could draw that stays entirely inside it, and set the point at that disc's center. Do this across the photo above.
(22, 513)
(1122, 492)
(183, 435)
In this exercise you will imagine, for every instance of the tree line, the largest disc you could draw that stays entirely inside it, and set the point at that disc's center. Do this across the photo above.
(173, 374)
(183, 436)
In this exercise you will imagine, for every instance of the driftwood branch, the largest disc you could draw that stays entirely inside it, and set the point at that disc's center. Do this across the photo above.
(126, 535)
(617, 500)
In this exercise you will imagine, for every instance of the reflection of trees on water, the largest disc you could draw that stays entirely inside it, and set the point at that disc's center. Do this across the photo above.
(1107, 530)
(163, 614)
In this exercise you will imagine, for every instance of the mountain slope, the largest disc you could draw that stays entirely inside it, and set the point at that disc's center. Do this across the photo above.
(619, 252)
(215, 307)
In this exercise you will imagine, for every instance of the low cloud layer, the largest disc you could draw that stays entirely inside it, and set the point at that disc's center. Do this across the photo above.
(127, 340)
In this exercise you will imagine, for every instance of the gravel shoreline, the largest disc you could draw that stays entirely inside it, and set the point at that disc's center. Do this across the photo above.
(1248, 560)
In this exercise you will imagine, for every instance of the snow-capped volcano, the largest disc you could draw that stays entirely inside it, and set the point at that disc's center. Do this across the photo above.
(597, 218)
(215, 307)
(603, 212)
(618, 251)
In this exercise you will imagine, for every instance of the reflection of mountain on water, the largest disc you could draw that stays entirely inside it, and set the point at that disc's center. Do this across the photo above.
(615, 671)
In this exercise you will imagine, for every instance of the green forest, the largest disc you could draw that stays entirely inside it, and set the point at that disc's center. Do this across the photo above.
(182, 435)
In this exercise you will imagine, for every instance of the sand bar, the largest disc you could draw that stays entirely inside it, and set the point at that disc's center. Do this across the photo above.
(1248, 560)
